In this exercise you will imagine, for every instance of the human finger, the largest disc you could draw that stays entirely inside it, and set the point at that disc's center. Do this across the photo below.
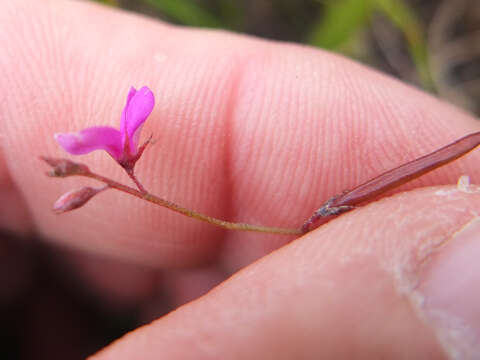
(248, 130)
(400, 283)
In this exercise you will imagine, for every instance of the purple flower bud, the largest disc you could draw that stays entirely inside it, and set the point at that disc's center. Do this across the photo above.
(75, 199)
(65, 167)
(123, 144)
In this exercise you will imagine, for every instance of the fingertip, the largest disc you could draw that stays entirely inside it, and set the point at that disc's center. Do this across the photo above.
(348, 289)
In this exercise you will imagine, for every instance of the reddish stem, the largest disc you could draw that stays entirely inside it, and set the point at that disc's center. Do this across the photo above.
(65, 167)
(187, 212)
(132, 176)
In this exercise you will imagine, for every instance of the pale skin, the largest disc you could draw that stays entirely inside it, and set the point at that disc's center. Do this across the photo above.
(250, 131)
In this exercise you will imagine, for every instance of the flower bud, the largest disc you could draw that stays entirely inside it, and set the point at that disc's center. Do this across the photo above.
(75, 199)
(65, 167)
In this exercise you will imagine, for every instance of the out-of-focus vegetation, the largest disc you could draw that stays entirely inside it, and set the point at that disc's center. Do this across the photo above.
(430, 43)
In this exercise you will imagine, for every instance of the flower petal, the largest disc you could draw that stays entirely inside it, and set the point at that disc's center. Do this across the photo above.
(137, 108)
(93, 138)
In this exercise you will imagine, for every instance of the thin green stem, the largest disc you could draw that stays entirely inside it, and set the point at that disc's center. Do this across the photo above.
(187, 212)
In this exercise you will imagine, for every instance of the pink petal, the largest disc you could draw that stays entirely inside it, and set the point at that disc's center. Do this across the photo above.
(137, 108)
(93, 138)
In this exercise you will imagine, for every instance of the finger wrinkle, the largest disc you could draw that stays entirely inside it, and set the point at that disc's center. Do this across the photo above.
(229, 150)
(424, 218)
(14, 213)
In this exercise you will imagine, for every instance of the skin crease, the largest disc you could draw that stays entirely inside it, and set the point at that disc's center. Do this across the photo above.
(247, 130)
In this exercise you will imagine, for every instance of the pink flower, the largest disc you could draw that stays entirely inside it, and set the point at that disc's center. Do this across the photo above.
(121, 144)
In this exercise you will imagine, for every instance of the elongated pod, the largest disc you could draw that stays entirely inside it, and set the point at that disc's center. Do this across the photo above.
(393, 178)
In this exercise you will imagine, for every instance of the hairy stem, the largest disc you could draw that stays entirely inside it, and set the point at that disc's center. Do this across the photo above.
(145, 195)
(132, 176)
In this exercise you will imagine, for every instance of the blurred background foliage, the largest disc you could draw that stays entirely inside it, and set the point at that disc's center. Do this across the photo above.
(429, 43)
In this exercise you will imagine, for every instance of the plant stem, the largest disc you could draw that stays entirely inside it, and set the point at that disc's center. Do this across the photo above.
(145, 195)
(132, 176)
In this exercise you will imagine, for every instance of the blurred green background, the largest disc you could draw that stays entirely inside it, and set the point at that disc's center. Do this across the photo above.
(429, 43)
